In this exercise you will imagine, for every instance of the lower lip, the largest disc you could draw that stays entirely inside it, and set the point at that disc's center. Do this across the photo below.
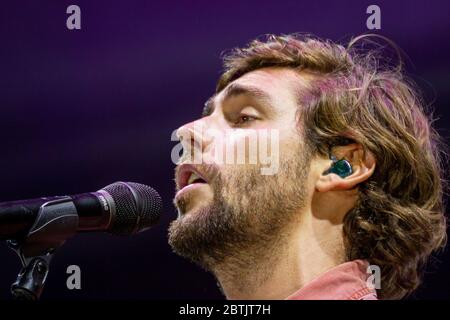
(189, 188)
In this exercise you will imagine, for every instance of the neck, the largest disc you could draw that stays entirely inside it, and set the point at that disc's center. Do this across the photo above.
(281, 269)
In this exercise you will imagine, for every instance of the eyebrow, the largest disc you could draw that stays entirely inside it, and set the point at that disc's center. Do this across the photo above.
(233, 90)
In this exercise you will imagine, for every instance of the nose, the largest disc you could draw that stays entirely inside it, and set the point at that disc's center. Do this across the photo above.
(193, 140)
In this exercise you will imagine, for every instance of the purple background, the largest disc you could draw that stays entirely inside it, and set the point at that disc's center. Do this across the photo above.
(82, 109)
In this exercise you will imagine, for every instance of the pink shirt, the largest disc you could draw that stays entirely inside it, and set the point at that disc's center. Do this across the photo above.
(346, 281)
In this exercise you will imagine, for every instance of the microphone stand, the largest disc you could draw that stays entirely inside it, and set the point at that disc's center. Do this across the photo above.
(57, 220)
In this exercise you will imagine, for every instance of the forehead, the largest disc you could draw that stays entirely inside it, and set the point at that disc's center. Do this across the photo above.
(278, 83)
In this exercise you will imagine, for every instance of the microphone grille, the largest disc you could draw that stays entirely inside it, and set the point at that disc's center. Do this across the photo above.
(137, 207)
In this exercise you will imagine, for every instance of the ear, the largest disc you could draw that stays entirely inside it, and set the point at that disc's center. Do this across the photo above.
(363, 166)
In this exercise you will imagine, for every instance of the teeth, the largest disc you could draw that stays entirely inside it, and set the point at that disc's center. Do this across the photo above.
(193, 177)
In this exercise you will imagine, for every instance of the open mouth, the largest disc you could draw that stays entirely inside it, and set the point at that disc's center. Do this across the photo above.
(189, 175)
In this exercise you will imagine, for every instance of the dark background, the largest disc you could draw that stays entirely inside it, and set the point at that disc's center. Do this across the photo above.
(81, 109)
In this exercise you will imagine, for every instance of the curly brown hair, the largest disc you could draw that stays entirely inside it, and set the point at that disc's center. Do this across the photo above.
(398, 220)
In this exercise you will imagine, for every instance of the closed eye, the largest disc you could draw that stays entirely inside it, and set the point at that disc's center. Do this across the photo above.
(243, 120)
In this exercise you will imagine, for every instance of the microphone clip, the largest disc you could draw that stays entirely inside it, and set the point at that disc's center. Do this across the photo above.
(57, 220)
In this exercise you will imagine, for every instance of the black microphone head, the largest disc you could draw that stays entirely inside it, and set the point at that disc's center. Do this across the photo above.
(136, 207)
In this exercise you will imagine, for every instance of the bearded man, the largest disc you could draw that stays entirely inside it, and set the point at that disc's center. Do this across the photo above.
(357, 190)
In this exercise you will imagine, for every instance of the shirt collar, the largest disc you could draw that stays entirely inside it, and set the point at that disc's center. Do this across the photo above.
(347, 281)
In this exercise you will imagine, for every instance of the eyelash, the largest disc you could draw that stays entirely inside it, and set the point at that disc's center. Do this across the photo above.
(238, 122)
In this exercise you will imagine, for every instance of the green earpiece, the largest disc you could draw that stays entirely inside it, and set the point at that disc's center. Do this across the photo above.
(342, 167)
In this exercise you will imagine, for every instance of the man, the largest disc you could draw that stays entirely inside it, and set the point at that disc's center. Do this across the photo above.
(357, 191)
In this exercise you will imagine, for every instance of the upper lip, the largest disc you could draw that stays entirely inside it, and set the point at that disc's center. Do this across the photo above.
(184, 172)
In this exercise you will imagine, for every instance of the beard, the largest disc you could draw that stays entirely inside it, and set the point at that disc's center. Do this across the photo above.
(248, 218)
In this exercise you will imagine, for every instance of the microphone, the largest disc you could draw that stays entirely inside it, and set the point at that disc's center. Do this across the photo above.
(121, 208)
(35, 228)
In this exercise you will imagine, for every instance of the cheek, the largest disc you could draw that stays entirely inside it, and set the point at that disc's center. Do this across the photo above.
(251, 146)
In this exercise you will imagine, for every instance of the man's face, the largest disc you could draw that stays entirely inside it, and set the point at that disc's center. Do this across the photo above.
(226, 208)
